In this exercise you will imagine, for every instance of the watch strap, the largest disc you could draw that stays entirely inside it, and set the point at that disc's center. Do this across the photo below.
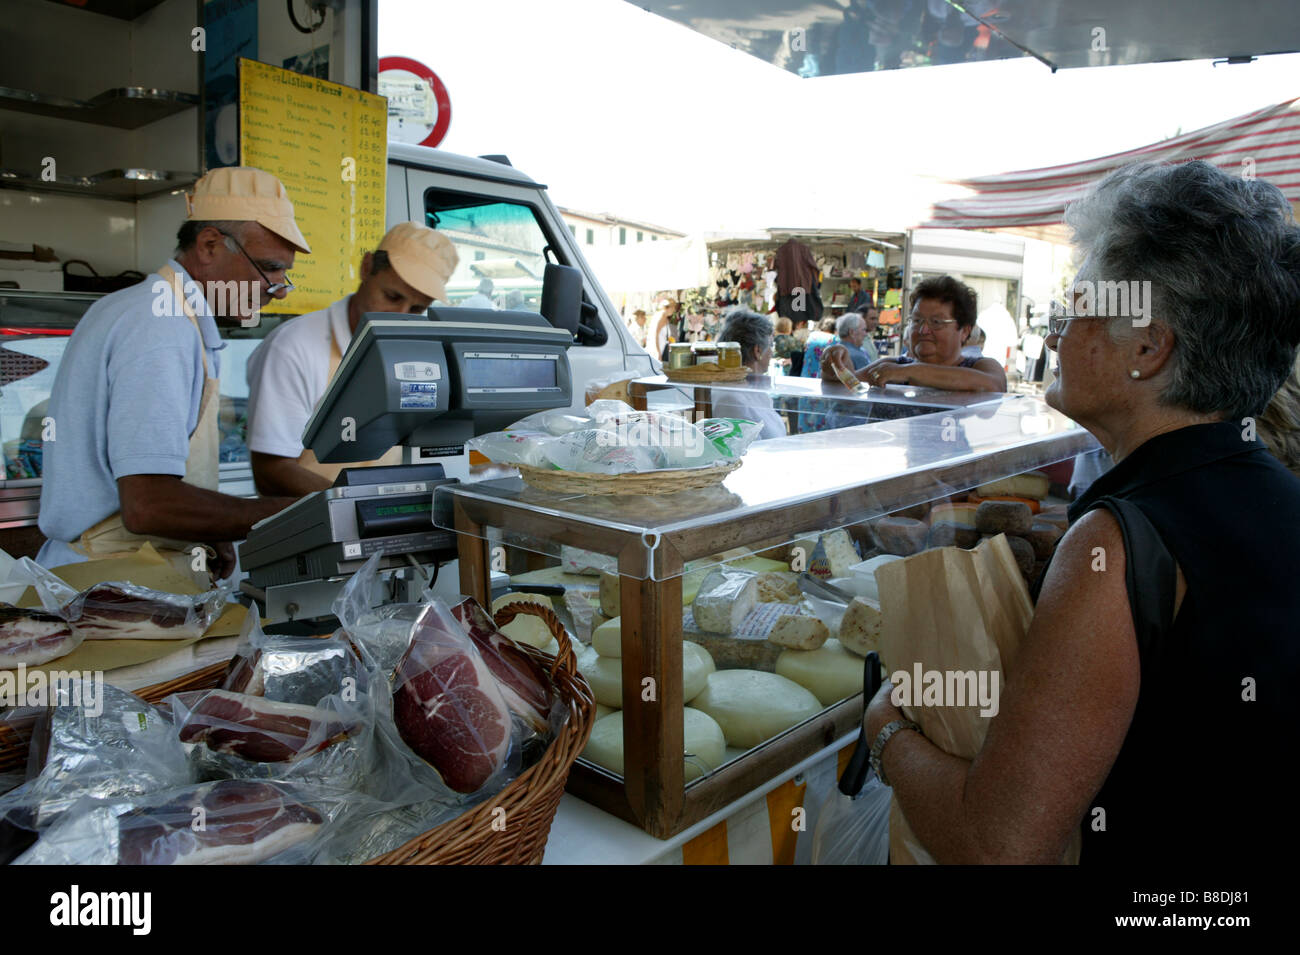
(883, 737)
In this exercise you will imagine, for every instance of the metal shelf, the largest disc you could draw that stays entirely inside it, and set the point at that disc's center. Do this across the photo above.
(120, 9)
(126, 107)
(123, 185)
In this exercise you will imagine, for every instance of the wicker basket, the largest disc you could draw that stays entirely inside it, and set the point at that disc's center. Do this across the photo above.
(706, 374)
(642, 482)
(476, 837)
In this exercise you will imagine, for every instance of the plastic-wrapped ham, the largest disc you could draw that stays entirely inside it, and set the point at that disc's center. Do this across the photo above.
(33, 636)
(257, 729)
(524, 684)
(121, 610)
(446, 703)
(229, 822)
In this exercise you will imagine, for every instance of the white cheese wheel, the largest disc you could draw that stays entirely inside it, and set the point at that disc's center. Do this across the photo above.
(602, 710)
(526, 628)
(752, 706)
(605, 674)
(608, 638)
(831, 672)
(861, 626)
(697, 664)
(705, 746)
(726, 597)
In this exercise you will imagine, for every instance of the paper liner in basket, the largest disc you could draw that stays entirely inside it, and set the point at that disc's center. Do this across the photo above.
(951, 609)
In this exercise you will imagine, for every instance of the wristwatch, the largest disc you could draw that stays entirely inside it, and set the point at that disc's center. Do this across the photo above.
(878, 747)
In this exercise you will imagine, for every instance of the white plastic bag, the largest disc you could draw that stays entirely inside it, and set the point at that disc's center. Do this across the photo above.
(854, 830)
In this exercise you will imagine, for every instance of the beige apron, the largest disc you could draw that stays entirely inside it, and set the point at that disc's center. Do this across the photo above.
(331, 471)
(110, 538)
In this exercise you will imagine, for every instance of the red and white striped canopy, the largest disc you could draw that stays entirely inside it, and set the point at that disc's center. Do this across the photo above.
(1264, 144)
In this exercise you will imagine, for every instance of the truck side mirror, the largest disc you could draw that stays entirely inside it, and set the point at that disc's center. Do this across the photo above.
(562, 297)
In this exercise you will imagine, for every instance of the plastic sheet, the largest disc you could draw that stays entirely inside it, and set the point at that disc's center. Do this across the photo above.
(121, 746)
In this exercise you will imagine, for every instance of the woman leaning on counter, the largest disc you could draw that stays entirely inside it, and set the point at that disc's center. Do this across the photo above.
(941, 321)
(1153, 704)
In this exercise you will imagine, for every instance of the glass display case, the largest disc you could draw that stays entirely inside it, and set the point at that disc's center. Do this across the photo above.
(795, 501)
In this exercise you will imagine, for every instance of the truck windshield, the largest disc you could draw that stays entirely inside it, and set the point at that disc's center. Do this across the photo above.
(501, 247)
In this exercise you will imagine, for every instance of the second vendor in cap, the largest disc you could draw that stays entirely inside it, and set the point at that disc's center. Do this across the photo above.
(290, 371)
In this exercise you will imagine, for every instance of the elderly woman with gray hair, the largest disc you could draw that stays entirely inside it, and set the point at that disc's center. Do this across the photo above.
(1153, 702)
(753, 333)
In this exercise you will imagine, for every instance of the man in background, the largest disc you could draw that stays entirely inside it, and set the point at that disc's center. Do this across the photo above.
(852, 332)
(860, 300)
(482, 298)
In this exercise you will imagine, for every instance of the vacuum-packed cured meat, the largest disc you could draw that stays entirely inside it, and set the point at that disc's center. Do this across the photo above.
(447, 706)
(262, 730)
(231, 822)
(33, 636)
(523, 682)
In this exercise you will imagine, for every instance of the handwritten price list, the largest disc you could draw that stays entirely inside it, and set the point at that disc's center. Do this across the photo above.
(327, 144)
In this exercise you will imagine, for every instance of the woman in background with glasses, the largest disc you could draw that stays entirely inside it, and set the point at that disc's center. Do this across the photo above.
(942, 318)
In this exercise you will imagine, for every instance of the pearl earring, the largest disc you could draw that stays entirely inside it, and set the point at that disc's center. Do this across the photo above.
(1135, 373)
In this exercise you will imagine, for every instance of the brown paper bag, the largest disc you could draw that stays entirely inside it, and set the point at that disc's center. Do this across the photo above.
(948, 609)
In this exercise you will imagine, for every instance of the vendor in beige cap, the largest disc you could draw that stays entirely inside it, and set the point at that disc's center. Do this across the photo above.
(134, 453)
(291, 369)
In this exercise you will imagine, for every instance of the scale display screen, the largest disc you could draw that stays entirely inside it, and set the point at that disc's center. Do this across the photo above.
(506, 372)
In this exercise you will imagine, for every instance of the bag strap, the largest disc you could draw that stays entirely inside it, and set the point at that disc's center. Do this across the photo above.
(1150, 572)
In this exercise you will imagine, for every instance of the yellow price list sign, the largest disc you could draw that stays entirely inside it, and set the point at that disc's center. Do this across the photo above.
(328, 144)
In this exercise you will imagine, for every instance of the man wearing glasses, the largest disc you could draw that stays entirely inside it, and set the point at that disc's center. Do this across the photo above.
(942, 317)
(291, 370)
(132, 450)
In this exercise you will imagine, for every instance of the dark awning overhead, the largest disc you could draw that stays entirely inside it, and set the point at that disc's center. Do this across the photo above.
(826, 37)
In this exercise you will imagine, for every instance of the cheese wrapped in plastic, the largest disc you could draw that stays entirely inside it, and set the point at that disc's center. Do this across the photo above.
(724, 600)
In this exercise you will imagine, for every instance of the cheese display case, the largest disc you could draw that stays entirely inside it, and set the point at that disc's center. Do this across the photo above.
(708, 642)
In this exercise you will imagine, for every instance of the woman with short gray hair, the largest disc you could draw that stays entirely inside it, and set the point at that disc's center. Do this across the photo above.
(753, 333)
(1163, 644)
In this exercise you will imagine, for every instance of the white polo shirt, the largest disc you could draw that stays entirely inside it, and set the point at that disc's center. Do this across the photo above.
(287, 377)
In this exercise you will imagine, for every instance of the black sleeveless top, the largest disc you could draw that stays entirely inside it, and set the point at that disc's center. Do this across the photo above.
(1204, 771)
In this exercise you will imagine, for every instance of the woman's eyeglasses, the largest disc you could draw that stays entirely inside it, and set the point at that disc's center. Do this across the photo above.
(272, 288)
(934, 324)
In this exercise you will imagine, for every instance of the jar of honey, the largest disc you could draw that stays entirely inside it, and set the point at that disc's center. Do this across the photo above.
(705, 353)
(729, 355)
(679, 355)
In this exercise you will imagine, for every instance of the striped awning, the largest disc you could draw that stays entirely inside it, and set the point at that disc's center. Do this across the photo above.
(1264, 144)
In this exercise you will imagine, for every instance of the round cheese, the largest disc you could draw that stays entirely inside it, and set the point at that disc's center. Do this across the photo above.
(526, 628)
(602, 710)
(752, 706)
(705, 746)
(830, 672)
(608, 638)
(605, 674)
